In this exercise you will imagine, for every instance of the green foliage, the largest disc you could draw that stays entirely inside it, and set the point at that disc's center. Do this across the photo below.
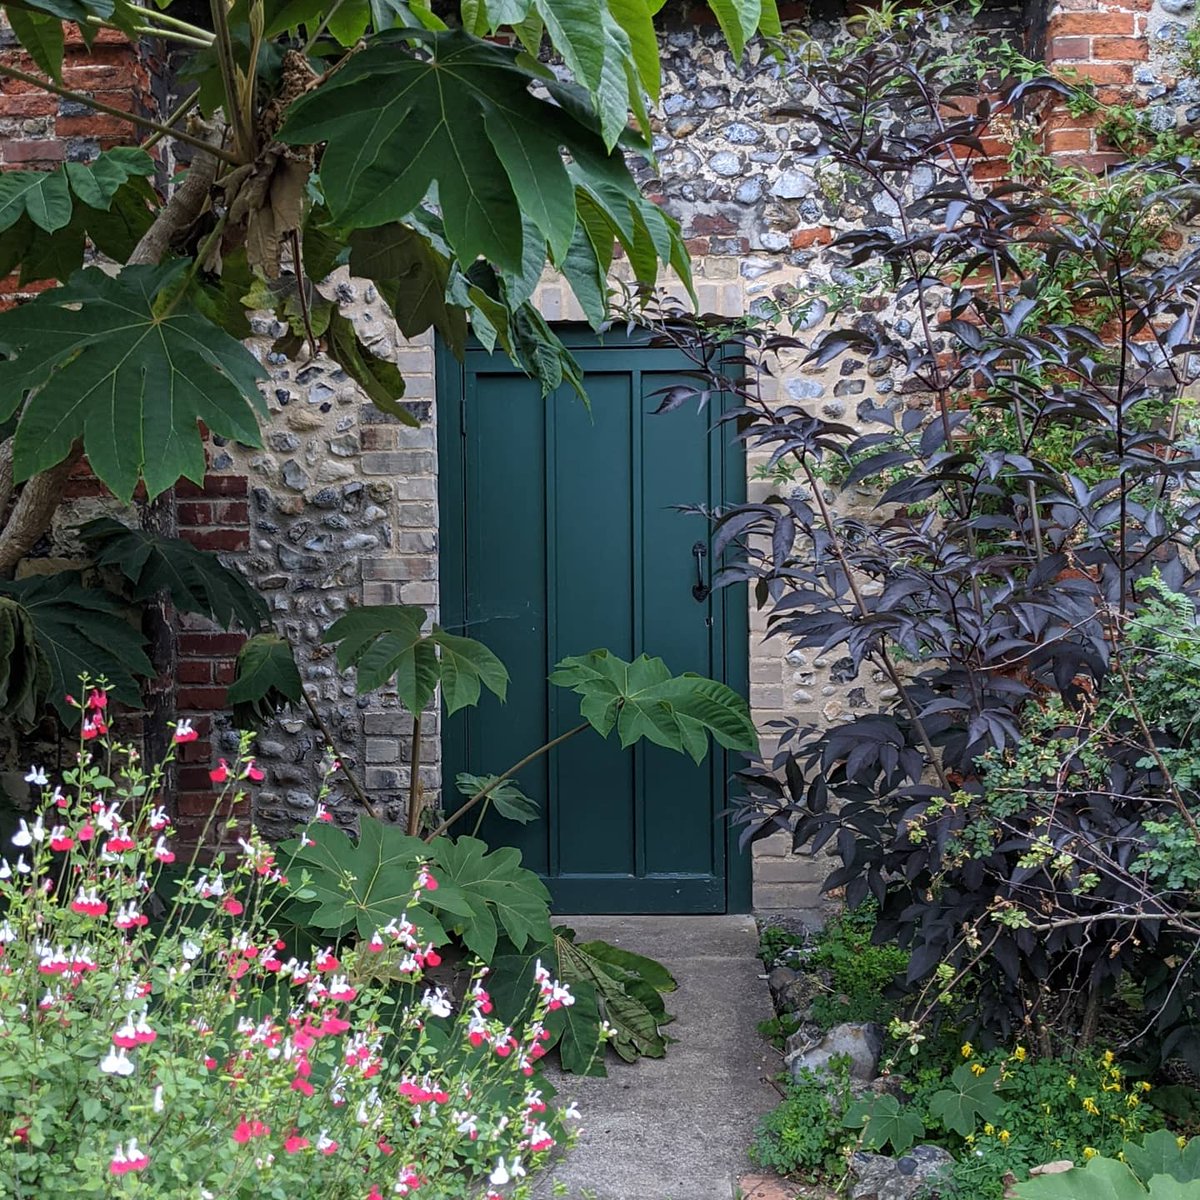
(805, 1133)
(266, 680)
(79, 631)
(506, 797)
(196, 580)
(24, 671)
(970, 1100)
(884, 1122)
(99, 356)
(1163, 1167)
(46, 197)
(643, 699)
(385, 641)
(861, 972)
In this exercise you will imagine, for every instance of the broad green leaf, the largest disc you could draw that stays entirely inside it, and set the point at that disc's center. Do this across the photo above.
(104, 367)
(505, 797)
(24, 670)
(643, 699)
(196, 580)
(44, 195)
(969, 1100)
(98, 182)
(42, 35)
(636, 18)
(884, 1121)
(576, 30)
(380, 379)
(366, 882)
(500, 891)
(649, 969)
(382, 641)
(1101, 1179)
(412, 274)
(463, 665)
(588, 281)
(81, 631)
(349, 20)
(396, 124)
(68, 10)
(266, 680)
(738, 20)
(1161, 1154)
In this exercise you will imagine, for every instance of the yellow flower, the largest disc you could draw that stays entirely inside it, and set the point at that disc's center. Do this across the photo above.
(1109, 1058)
(977, 1069)
(1020, 1054)
(1144, 1086)
(1004, 1136)
(967, 1050)
(1181, 1142)
(1132, 1101)
(1071, 1082)
(989, 1129)
(1088, 1153)
(1089, 1105)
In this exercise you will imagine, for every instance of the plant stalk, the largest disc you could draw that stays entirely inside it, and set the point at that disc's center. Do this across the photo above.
(414, 780)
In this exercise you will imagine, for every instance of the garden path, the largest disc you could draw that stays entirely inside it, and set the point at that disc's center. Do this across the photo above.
(676, 1128)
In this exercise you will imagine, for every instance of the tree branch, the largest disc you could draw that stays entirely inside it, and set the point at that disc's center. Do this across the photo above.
(31, 514)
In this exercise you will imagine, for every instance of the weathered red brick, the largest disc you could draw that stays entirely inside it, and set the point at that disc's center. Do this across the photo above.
(211, 645)
(217, 539)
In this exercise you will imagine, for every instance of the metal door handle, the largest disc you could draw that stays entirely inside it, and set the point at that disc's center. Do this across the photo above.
(700, 589)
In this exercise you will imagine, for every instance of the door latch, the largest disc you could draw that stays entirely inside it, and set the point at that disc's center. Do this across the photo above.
(700, 589)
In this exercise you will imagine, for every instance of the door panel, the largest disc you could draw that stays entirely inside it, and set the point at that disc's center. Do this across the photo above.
(561, 535)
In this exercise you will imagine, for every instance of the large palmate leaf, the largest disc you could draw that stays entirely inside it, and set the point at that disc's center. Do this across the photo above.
(46, 196)
(81, 631)
(103, 365)
(503, 895)
(385, 640)
(362, 883)
(969, 1100)
(1105, 1179)
(608, 983)
(1161, 1154)
(196, 580)
(24, 671)
(884, 1121)
(266, 680)
(505, 797)
(643, 699)
(462, 117)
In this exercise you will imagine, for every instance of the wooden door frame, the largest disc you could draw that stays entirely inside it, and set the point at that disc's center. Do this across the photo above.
(450, 381)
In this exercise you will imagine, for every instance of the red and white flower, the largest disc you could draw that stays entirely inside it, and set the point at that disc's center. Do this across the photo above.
(184, 732)
(128, 1157)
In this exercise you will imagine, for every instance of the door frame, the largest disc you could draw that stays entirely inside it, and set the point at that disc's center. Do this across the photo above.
(450, 376)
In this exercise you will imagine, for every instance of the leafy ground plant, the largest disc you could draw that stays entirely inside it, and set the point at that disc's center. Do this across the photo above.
(805, 1133)
(184, 1057)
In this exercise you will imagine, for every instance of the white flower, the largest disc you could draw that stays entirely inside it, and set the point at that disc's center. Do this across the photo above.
(23, 836)
(190, 950)
(437, 1001)
(37, 776)
(571, 1112)
(117, 1062)
(159, 1104)
(500, 1176)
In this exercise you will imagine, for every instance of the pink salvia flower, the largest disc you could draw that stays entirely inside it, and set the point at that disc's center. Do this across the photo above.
(129, 1157)
(295, 1144)
(162, 852)
(97, 699)
(89, 903)
(61, 839)
(220, 773)
(253, 773)
(185, 733)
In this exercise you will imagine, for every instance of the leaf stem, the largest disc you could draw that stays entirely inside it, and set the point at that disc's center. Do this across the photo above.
(414, 782)
(168, 126)
(484, 792)
(355, 786)
(132, 118)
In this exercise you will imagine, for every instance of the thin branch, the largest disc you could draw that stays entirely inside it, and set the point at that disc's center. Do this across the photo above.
(133, 118)
(170, 122)
(355, 786)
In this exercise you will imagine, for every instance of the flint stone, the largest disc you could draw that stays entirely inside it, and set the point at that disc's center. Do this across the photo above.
(877, 1177)
(793, 185)
(861, 1044)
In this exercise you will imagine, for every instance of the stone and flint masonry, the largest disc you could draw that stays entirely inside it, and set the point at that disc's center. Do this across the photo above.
(340, 507)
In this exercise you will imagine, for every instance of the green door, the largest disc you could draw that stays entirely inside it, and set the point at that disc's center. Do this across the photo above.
(559, 534)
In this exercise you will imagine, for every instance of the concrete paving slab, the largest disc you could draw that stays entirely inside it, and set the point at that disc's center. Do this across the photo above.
(677, 1128)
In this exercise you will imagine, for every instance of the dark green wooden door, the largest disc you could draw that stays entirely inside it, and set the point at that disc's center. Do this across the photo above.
(559, 535)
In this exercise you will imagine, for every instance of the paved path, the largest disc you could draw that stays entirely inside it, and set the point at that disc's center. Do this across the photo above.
(676, 1128)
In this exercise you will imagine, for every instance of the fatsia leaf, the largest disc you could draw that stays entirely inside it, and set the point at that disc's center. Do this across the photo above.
(464, 664)
(499, 890)
(385, 640)
(505, 797)
(104, 366)
(1161, 1154)
(969, 1100)
(462, 118)
(266, 680)
(1101, 1179)
(643, 699)
(196, 580)
(81, 631)
(884, 1121)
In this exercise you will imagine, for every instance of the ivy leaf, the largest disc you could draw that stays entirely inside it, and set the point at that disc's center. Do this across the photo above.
(81, 631)
(968, 1100)
(103, 366)
(506, 798)
(643, 699)
(499, 890)
(40, 34)
(884, 1121)
(462, 118)
(266, 680)
(196, 580)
